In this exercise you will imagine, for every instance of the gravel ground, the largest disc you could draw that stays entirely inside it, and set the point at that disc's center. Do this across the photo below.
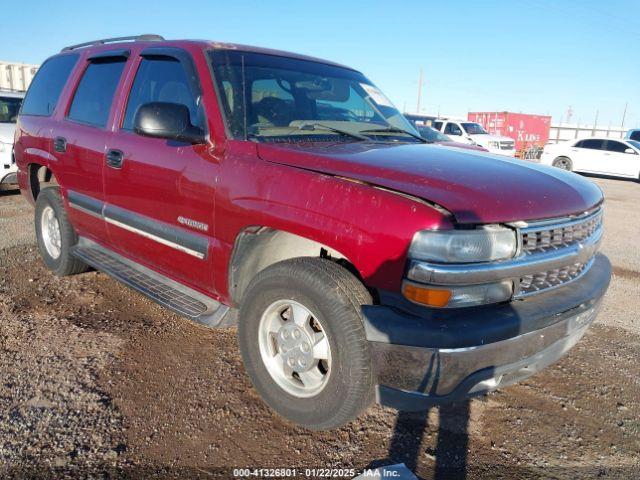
(96, 381)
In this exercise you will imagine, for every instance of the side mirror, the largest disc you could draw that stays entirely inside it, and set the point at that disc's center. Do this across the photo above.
(630, 150)
(167, 120)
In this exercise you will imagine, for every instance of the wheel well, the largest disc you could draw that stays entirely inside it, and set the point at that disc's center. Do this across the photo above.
(257, 248)
(39, 178)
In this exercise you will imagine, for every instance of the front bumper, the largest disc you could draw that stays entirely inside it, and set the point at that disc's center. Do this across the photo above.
(424, 357)
(10, 178)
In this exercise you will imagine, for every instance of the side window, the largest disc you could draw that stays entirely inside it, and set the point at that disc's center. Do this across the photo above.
(593, 144)
(616, 147)
(579, 144)
(94, 95)
(452, 129)
(161, 79)
(47, 85)
(438, 125)
(635, 135)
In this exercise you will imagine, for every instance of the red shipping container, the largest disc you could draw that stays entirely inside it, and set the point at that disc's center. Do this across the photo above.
(527, 130)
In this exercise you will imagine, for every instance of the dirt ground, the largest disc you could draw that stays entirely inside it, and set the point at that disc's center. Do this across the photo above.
(96, 381)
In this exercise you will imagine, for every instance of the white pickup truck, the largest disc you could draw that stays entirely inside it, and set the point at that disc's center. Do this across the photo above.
(9, 107)
(473, 133)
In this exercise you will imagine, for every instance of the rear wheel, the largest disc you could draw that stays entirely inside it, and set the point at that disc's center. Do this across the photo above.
(303, 343)
(563, 163)
(55, 234)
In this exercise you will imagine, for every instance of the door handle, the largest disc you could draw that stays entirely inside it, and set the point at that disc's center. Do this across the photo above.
(60, 144)
(115, 158)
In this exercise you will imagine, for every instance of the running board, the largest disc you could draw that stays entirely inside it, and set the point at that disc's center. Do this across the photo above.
(168, 293)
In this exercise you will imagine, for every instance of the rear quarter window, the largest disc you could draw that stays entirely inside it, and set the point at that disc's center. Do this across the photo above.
(45, 89)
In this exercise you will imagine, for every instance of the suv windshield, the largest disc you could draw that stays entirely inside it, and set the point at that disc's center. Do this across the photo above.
(9, 108)
(271, 98)
(474, 129)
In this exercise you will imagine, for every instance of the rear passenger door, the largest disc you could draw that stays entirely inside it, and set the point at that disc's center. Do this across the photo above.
(160, 197)
(79, 141)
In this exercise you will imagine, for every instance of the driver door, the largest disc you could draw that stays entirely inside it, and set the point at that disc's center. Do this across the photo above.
(160, 193)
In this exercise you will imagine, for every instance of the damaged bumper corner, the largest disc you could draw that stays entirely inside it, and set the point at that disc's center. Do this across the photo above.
(424, 357)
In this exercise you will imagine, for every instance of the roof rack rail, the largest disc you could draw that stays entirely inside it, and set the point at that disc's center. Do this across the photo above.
(147, 37)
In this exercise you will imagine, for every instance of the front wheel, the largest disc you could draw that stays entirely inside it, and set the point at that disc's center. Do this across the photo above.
(303, 343)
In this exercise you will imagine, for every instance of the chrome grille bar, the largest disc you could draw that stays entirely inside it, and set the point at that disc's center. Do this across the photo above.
(545, 237)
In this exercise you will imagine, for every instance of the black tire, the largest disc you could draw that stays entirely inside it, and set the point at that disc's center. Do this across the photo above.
(335, 296)
(563, 163)
(65, 263)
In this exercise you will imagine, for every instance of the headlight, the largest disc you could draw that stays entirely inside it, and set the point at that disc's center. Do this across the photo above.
(464, 246)
(494, 144)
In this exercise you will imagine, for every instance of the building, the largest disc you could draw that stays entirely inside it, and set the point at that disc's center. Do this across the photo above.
(16, 76)
(561, 132)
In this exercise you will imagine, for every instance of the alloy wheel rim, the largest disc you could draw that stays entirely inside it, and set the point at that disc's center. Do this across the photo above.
(50, 228)
(294, 348)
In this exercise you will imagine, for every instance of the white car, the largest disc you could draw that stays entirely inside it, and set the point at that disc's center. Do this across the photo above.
(9, 107)
(473, 134)
(595, 155)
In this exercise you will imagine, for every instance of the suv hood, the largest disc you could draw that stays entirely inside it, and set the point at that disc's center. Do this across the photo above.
(7, 130)
(475, 187)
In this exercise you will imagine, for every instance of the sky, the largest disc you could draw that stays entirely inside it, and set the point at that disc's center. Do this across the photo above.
(538, 56)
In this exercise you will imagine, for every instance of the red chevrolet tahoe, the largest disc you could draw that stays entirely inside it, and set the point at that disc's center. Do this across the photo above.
(287, 195)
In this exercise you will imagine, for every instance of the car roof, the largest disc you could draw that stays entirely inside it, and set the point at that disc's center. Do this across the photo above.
(100, 45)
(603, 138)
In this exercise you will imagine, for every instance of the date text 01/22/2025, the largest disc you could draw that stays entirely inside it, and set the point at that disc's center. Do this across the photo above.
(389, 472)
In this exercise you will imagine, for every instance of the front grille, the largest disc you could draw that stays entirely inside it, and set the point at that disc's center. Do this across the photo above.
(506, 145)
(549, 279)
(555, 236)
(542, 237)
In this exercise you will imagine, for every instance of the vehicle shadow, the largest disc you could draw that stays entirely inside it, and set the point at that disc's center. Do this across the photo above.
(451, 449)
(6, 191)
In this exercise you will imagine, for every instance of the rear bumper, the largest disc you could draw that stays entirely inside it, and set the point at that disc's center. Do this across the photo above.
(424, 357)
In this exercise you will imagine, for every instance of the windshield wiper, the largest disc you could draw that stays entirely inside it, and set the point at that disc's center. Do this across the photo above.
(314, 125)
(394, 130)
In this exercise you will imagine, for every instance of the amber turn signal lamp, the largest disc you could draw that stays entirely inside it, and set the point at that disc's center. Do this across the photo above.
(426, 296)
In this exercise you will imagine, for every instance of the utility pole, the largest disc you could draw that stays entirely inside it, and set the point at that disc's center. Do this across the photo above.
(569, 114)
(595, 124)
(419, 91)
(624, 115)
